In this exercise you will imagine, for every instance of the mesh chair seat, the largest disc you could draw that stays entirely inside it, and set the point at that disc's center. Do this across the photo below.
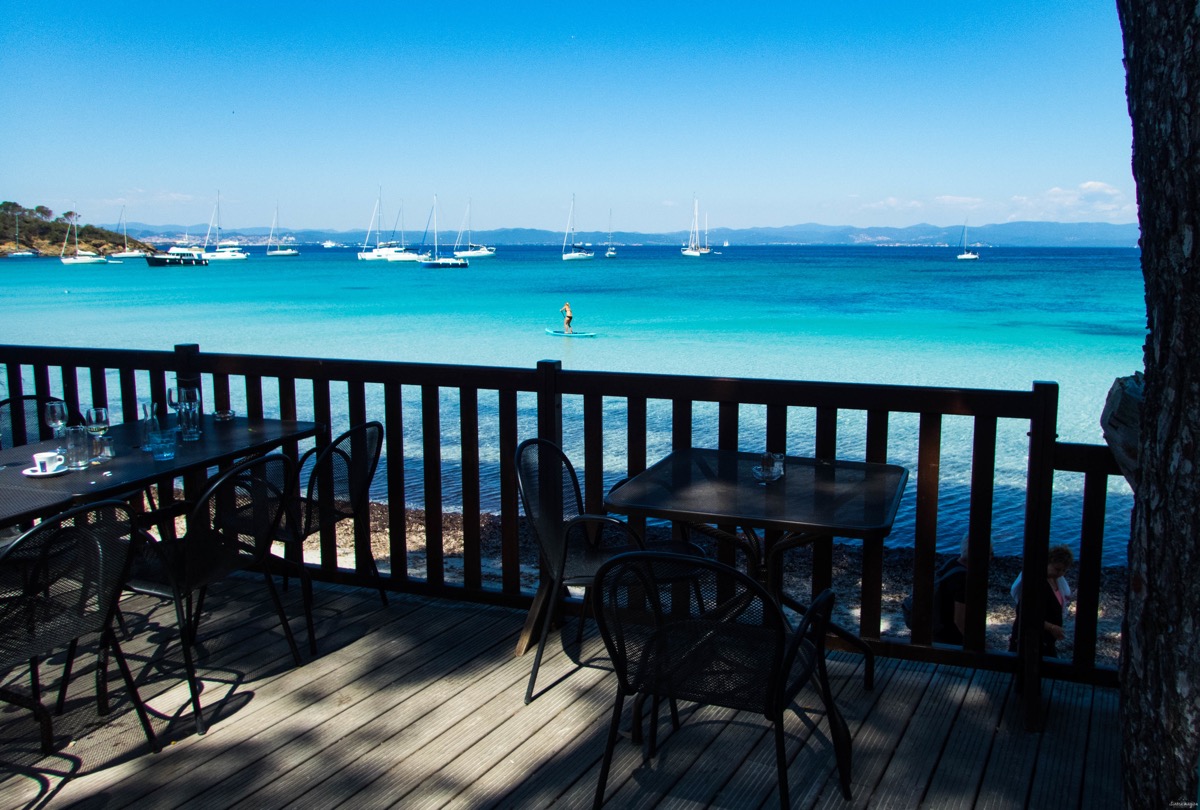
(229, 529)
(687, 628)
(59, 581)
(22, 420)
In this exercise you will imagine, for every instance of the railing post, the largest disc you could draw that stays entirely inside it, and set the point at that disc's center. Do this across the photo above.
(1043, 433)
(549, 401)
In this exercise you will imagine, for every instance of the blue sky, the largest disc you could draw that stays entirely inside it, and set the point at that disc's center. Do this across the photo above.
(854, 113)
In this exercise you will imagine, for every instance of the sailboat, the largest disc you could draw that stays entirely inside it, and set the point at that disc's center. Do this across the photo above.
(611, 252)
(694, 248)
(390, 251)
(472, 250)
(278, 250)
(81, 256)
(126, 253)
(571, 251)
(440, 261)
(227, 250)
(18, 253)
(966, 255)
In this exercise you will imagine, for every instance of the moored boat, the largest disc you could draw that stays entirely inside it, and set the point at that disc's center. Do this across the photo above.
(435, 260)
(80, 256)
(573, 251)
(177, 256)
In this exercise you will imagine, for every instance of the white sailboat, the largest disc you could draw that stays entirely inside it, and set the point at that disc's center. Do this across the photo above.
(472, 250)
(401, 252)
(389, 251)
(966, 255)
(611, 252)
(278, 250)
(126, 253)
(18, 253)
(436, 260)
(80, 256)
(224, 251)
(571, 251)
(694, 248)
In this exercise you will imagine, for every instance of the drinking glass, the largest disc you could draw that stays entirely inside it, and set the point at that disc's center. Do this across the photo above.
(173, 403)
(56, 420)
(56, 417)
(97, 425)
(187, 402)
(78, 443)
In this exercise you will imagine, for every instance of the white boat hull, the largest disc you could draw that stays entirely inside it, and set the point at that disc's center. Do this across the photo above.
(444, 262)
(83, 259)
(407, 256)
(578, 255)
(283, 252)
(475, 253)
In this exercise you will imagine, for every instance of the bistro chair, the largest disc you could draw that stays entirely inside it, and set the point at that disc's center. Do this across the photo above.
(730, 646)
(59, 581)
(22, 420)
(338, 488)
(573, 544)
(229, 529)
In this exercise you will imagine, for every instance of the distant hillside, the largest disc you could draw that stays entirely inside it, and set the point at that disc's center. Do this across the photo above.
(1008, 234)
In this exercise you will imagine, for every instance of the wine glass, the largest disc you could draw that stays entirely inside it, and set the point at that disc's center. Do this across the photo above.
(97, 424)
(56, 417)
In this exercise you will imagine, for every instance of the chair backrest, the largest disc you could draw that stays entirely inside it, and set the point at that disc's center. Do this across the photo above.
(61, 579)
(549, 492)
(691, 628)
(232, 525)
(22, 422)
(339, 479)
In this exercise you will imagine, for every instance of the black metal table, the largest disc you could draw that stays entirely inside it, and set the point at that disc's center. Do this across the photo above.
(22, 499)
(814, 500)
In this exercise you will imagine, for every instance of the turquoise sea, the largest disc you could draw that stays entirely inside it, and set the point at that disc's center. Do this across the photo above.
(855, 314)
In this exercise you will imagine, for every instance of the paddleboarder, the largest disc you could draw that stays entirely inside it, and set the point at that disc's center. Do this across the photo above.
(567, 316)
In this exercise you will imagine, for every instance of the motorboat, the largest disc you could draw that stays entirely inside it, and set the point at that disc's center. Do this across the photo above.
(226, 251)
(177, 256)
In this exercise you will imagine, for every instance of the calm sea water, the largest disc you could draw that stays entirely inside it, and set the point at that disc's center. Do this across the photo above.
(884, 315)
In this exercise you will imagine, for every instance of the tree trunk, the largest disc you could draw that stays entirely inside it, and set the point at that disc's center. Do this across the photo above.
(1160, 662)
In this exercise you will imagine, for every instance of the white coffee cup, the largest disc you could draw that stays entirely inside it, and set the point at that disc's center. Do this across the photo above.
(48, 462)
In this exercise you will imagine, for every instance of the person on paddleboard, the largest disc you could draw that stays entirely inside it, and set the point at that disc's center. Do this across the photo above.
(567, 316)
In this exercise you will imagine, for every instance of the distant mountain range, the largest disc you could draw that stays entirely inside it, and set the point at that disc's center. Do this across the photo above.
(1008, 234)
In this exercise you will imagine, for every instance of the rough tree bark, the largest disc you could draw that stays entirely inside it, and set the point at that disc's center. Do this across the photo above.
(1160, 664)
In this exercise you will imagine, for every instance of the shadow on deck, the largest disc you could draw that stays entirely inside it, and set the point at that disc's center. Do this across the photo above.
(421, 703)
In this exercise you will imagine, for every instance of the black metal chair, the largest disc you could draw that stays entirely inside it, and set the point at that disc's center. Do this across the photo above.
(573, 544)
(59, 581)
(338, 488)
(22, 420)
(725, 642)
(229, 529)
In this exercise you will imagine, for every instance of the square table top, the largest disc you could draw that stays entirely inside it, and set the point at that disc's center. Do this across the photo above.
(842, 498)
(23, 498)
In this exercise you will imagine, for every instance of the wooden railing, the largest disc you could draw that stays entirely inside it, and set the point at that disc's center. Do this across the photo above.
(475, 416)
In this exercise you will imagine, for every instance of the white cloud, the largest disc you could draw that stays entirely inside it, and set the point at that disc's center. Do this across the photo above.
(1088, 202)
(892, 204)
(958, 202)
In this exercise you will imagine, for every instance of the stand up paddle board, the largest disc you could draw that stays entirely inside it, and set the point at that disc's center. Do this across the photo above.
(561, 333)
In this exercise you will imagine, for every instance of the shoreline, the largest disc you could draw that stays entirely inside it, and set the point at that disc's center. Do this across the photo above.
(847, 565)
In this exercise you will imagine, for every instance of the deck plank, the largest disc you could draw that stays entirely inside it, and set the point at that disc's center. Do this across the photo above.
(419, 704)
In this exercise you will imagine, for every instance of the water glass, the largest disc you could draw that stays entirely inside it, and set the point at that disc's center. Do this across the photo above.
(148, 423)
(161, 443)
(79, 446)
(187, 403)
(771, 466)
(106, 449)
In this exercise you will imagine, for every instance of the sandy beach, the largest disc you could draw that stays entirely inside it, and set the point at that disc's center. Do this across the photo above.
(847, 563)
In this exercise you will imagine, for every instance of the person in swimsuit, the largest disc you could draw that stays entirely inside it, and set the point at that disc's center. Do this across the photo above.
(567, 316)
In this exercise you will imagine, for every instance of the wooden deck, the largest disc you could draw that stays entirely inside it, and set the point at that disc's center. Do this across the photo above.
(420, 704)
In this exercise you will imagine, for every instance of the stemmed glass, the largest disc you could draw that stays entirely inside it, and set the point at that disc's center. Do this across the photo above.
(97, 424)
(56, 418)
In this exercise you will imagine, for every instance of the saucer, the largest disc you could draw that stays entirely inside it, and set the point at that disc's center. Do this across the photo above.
(32, 472)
